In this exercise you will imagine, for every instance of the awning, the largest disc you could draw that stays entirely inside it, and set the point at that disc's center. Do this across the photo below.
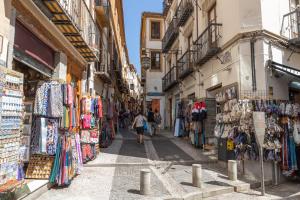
(285, 69)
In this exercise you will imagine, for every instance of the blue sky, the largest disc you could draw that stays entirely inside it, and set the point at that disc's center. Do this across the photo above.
(133, 10)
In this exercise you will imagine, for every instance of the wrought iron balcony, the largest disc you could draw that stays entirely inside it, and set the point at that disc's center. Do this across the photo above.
(185, 64)
(170, 35)
(102, 68)
(102, 12)
(166, 6)
(185, 10)
(207, 44)
(291, 27)
(170, 79)
(74, 20)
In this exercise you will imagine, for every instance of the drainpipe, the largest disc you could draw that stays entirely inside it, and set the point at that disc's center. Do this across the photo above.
(253, 70)
(197, 6)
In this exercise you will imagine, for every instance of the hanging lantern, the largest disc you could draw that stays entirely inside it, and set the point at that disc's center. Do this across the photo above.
(146, 61)
(131, 86)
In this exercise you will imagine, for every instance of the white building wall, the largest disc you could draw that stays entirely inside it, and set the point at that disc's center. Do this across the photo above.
(5, 15)
(154, 78)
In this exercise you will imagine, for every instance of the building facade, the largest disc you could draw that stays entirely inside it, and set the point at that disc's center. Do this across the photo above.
(208, 47)
(60, 61)
(152, 29)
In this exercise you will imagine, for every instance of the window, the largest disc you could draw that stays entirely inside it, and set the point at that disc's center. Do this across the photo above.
(155, 30)
(155, 60)
(212, 18)
(212, 14)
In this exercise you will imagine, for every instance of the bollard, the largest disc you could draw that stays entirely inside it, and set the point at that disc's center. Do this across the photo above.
(275, 173)
(145, 184)
(232, 170)
(197, 175)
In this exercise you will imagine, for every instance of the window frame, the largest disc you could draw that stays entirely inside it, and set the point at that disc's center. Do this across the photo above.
(160, 60)
(160, 29)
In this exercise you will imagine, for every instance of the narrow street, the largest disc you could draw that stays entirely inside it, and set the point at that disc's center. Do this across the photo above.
(115, 174)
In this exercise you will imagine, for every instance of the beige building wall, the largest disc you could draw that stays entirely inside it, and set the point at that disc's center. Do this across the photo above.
(5, 31)
(237, 17)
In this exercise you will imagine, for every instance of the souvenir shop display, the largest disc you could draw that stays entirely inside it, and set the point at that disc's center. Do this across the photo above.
(68, 159)
(11, 122)
(91, 115)
(26, 134)
(54, 118)
(39, 167)
(179, 122)
(227, 121)
(198, 115)
(281, 142)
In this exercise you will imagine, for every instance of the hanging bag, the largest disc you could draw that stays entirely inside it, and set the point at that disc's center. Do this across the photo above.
(296, 133)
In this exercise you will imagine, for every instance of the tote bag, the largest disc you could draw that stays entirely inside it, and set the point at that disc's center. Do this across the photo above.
(296, 133)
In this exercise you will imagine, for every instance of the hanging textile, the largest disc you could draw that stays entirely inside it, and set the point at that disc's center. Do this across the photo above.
(48, 100)
(56, 101)
(68, 160)
(44, 134)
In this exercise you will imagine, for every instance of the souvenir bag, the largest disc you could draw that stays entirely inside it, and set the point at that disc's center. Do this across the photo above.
(295, 110)
(282, 108)
(217, 131)
(288, 109)
(94, 137)
(296, 133)
(230, 145)
(86, 121)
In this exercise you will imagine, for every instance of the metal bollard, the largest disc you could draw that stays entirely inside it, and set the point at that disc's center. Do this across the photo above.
(232, 170)
(197, 175)
(145, 184)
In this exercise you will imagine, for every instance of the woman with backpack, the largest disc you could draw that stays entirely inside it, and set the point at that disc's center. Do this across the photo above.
(138, 124)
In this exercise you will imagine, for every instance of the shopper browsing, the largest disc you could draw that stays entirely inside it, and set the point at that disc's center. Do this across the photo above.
(151, 121)
(157, 119)
(138, 124)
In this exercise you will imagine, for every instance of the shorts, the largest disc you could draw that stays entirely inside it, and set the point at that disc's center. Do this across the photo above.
(140, 130)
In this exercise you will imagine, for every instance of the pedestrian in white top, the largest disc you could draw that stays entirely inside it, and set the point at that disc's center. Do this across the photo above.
(138, 124)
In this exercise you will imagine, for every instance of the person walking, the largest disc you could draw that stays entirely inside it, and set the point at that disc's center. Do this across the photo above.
(138, 124)
(157, 120)
(151, 121)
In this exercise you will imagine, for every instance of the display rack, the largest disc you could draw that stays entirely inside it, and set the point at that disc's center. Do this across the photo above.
(11, 119)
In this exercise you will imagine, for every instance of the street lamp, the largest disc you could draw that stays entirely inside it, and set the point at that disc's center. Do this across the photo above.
(146, 61)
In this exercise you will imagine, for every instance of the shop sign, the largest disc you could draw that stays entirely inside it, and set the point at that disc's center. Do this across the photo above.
(259, 121)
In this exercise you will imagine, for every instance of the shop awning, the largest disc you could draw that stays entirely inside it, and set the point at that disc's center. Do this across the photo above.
(285, 69)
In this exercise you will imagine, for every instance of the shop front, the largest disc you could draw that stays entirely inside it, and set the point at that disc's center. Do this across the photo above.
(235, 131)
(49, 125)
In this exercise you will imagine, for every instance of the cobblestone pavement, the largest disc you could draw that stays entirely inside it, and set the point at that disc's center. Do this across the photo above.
(114, 174)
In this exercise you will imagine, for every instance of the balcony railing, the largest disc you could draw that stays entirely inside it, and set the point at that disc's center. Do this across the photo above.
(185, 64)
(102, 12)
(207, 44)
(74, 20)
(166, 6)
(291, 27)
(170, 79)
(185, 10)
(170, 35)
(102, 67)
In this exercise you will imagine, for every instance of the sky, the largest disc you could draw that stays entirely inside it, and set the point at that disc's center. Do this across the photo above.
(133, 10)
